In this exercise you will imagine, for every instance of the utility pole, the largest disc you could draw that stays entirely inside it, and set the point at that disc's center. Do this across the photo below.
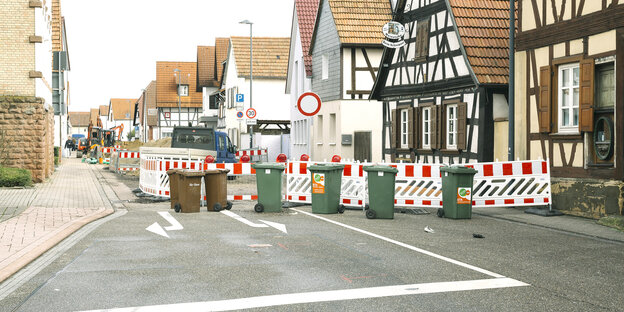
(250, 76)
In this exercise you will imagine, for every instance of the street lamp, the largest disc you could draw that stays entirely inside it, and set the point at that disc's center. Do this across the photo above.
(177, 73)
(250, 76)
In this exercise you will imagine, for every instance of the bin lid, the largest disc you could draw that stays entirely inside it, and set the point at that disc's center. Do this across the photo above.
(172, 171)
(190, 173)
(380, 168)
(216, 171)
(325, 167)
(268, 166)
(458, 169)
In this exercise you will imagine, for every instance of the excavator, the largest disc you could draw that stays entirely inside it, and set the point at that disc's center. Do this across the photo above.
(99, 137)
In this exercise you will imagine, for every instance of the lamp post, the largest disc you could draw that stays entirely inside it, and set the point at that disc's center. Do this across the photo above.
(177, 73)
(250, 76)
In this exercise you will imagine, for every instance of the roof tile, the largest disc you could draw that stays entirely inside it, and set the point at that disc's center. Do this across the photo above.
(167, 84)
(123, 109)
(79, 119)
(270, 56)
(484, 29)
(360, 21)
(306, 16)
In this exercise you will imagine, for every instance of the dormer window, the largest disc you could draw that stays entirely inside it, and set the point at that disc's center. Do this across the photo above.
(183, 90)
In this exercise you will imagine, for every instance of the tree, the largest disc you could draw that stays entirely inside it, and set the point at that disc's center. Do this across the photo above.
(131, 135)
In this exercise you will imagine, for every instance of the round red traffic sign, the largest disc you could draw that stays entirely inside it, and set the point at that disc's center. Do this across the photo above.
(251, 113)
(309, 104)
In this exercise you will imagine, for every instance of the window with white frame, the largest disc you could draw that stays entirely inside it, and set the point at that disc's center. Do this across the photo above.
(568, 98)
(325, 67)
(404, 129)
(451, 126)
(426, 127)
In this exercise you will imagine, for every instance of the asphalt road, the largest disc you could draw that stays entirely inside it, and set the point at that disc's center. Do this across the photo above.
(338, 262)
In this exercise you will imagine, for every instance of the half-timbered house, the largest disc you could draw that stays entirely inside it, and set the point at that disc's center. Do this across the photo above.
(177, 99)
(346, 48)
(570, 99)
(444, 91)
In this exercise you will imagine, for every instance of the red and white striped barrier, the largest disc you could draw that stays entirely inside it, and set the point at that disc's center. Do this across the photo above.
(125, 154)
(516, 183)
(353, 184)
(252, 152)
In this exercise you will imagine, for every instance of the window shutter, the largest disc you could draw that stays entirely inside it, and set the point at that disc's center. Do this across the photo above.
(545, 92)
(410, 127)
(461, 125)
(395, 129)
(416, 128)
(586, 95)
(434, 133)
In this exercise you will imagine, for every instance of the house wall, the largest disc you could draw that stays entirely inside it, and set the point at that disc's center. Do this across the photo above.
(326, 43)
(298, 83)
(346, 117)
(17, 58)
(581, 184)
(79, 130)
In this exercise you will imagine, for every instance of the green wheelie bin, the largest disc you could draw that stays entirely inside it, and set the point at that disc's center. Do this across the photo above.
(326, 187)
(456, 192)
(269, 185)
(380, 192)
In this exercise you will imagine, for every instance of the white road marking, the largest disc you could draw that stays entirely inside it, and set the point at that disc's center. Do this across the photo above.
(157, 229)
(428, 253)
(243, 220)
(326, 296)
(276, 225)
(175, 225)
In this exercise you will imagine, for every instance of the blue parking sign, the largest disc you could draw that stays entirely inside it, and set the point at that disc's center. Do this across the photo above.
(240, 97)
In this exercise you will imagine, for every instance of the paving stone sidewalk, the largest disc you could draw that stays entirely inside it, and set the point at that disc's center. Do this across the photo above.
(35, 219)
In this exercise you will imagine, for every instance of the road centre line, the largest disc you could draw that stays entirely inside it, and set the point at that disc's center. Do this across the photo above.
(326, 296)
(425, 252)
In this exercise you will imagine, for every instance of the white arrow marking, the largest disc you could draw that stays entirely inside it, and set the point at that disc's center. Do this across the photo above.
(175, 225)
(241, 219)
(157, 229)
(278, 226)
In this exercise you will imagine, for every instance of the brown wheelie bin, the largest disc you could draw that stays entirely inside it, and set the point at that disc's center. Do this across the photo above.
(189, 191)
(215, 181)
(174, 180)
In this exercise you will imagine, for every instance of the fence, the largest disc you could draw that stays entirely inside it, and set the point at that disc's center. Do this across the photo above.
(256, 155)
(515, 183)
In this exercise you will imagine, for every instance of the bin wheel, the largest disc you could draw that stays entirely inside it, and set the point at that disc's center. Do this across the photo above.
(177, 207)
(258, 208)
(440, 212)
(228, 206)
(370, 214)
(341, 208)
(217, 207)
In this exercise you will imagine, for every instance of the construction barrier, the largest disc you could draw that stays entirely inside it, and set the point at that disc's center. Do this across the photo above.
(501, 184)
(256, 155)
(122, 161)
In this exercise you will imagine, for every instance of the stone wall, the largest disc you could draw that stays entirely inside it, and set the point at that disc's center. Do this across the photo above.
(27, 135)
(590, 198)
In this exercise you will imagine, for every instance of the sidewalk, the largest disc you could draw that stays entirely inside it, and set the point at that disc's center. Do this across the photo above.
(566, 223)
(35, 219)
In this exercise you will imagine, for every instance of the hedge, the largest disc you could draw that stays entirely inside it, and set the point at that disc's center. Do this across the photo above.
(10, 177)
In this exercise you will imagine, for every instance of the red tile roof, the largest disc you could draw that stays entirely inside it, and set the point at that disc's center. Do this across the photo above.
(483, 26)
(167, 84)
(222, 47)
(79, 119)
(360, 21)
(103, 110)
(306, 16)
(270, 56)
(123, 109)
(206, 66)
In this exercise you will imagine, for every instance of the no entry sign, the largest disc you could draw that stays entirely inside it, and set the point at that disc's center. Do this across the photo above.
(309, 104)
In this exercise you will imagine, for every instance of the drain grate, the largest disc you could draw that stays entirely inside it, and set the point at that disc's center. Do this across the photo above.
(414, 211)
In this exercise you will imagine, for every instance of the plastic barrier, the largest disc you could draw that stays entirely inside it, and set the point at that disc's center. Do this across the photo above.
(516, 183)
(298, 185)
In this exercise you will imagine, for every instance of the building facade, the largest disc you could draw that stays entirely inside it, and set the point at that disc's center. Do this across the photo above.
(570, 100)
(346, 50)
(445, 90)
(27, 126)
(177, 100)
(121, 114)
(299, 78)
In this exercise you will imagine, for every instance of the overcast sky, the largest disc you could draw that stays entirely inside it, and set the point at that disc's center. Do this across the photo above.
(114, 44)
